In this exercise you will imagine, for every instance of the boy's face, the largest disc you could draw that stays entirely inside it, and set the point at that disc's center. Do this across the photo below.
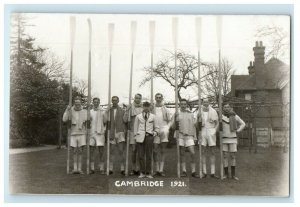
(205, 103)
(115, 101)
(158, 98)
(137, 99)
(227, 108)
(146, 109)
(183, 105)
(77, 104)
(96, 103)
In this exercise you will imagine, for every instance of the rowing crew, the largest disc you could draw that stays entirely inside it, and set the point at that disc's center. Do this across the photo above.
(148, 135)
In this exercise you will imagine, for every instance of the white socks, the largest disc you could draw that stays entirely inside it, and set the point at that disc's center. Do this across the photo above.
(183, 166)
(101, 165)
(193, 167)
(161, 167)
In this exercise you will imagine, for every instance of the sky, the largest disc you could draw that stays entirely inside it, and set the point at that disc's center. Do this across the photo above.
(52, 31)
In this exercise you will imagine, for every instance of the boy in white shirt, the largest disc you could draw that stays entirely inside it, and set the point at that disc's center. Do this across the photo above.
(163, 118)
(187, 136)
(97, 136)
(210, 125)
(78, 120)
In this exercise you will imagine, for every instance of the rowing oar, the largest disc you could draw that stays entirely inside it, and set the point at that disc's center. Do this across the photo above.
(110, 44)
(72, 37)
(175, 37)
(198, 24)
(133, 37)
(152, 37)
(88, 128)
(219, 37)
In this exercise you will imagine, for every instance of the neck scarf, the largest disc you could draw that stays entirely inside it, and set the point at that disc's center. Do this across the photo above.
(232, 122)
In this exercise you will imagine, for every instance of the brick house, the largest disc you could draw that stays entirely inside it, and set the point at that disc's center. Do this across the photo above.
(267, 89)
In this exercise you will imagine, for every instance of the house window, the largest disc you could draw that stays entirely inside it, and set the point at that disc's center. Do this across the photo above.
(248, 96)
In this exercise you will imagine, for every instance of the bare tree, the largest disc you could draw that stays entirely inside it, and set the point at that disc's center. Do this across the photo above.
(211, 83)
(277, 39)
(187, 71)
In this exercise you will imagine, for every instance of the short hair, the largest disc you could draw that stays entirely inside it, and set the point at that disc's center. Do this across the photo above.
(184, 100)
(227, 103)
(146, 104)
(114, 97)
(159, 94)
(96, 98)
(77, 98)
(138, 94)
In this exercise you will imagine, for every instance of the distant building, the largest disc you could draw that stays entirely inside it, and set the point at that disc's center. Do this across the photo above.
(267, 87)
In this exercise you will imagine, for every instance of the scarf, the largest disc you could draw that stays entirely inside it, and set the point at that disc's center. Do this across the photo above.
(166, 115)
(186, 123)
(232, 120)
(117, 124)
(211, 116)
(99, 122)
(135, 109)
(82, 117)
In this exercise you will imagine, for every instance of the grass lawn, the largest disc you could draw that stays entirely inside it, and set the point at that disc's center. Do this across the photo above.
(265, 173)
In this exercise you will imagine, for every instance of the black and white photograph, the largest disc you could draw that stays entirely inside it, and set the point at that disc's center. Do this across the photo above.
(149, 104)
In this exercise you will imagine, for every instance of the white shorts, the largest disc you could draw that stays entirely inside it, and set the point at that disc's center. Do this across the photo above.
(97, 140)
(208, 137)
(78, 140)
(163, 136)
(131, 138)
(229, 147)
(119, 137)
(186, 140)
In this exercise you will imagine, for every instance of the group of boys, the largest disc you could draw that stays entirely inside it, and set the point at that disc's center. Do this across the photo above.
(148, 127)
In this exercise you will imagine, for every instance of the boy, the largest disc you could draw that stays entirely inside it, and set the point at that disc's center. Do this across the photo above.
(78, 117)
(232, 124)
(145, 129)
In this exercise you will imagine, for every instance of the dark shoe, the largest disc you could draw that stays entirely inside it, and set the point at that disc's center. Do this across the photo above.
(92, 172)
(214, 176)
(110, 172)
(183, 174)
(162, 174)
(136, 172)
(157, 173)
(74, 172)
(195, 175)
(123, 172)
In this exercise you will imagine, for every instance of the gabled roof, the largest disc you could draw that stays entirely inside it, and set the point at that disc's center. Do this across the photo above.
(276, 76)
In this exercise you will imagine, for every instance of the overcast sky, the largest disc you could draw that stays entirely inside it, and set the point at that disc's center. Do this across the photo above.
(52, 31)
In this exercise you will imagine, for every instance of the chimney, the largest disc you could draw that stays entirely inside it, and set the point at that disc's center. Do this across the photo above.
(259, 66)
(251, 69)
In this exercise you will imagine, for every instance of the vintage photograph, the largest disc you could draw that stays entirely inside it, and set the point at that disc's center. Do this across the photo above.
(142, 104)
